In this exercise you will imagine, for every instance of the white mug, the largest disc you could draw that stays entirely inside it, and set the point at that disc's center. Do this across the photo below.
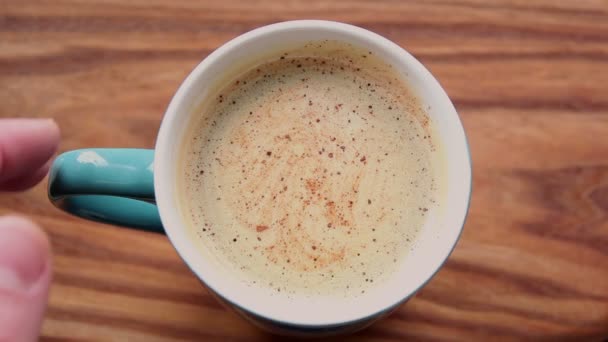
(126, 195)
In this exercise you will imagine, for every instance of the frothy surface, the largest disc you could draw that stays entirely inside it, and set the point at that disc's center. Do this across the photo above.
(311, 173)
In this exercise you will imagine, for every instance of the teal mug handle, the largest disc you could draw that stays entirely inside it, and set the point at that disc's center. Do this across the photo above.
(113, 186)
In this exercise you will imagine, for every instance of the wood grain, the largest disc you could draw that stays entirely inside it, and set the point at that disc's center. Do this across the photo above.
(529, 78)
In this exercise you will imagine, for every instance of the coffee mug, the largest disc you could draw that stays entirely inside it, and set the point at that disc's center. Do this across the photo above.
(136, 187)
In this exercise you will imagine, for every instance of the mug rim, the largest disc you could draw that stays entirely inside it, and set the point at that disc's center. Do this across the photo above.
(165, 138)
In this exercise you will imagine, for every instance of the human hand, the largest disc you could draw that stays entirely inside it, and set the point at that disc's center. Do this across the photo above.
(26, 145)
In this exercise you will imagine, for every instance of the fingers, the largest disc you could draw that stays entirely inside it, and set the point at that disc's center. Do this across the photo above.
(25, 274)
(27, 181)
(25, 147)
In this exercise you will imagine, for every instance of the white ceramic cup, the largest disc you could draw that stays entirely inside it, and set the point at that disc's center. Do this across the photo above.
(280, 314)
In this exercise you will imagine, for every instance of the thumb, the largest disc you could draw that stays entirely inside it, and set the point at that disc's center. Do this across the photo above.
(25, 275)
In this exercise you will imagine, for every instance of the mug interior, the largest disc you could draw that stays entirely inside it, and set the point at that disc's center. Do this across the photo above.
(435, 241)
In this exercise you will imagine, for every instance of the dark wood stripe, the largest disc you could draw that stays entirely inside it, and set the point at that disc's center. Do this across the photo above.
(510, 57)
(524, 283)
(463, 324)
(158, 328)
(527, 8)
(197, 297)
(381, 331)
(81, 247)
(480, 29)
(464, 304)
(572, 235)
(56, 339)
(122, 24)
(532, 104)
(579, 330)
(93, 24)
(578, 208)
(79, 59)
(513, 331)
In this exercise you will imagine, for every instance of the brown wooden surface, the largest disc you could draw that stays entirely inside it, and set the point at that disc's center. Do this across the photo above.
(529, 78)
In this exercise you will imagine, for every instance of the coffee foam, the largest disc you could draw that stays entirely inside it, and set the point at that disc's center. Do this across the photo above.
(311, 173)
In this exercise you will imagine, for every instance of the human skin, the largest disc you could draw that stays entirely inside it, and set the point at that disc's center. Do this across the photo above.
(26, 147)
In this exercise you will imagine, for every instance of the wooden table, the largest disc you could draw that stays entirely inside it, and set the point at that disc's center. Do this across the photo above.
(530, 80)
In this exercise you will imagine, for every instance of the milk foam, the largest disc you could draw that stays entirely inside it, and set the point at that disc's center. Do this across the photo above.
(312, 173)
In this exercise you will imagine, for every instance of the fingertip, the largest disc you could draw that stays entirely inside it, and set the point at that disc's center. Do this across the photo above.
(26, 226)
(53, 130)
(25, 276)
(25, 146)
(27, 181)
(24, 253)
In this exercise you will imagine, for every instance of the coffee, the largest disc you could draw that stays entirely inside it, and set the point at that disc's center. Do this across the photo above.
(312, 172)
